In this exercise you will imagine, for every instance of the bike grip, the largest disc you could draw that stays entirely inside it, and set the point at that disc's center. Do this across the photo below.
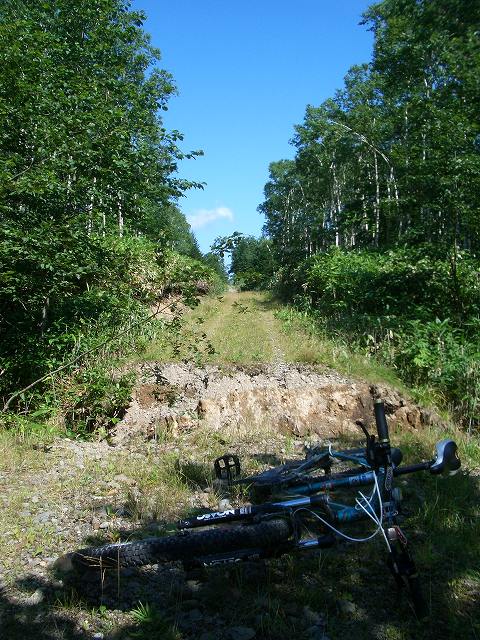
(381, 420)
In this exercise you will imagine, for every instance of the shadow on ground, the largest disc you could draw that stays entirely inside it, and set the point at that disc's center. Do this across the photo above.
(340, 593)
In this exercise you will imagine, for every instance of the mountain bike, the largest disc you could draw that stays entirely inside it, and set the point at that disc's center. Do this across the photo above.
(302, 512)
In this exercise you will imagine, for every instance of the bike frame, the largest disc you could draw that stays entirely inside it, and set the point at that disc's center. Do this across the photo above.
(375, 466)
(306, 498)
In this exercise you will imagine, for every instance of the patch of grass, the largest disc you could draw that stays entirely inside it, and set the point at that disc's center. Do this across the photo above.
(308, 343)
(150, 623)
(237, 328)
(158, 484)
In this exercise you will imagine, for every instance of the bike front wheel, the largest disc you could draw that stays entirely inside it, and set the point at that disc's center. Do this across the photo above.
(269, 535)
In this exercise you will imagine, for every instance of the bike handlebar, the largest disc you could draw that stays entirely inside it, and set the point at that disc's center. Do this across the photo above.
(381, 421)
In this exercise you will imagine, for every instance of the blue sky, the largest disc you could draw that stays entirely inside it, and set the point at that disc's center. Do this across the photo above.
(245, 72)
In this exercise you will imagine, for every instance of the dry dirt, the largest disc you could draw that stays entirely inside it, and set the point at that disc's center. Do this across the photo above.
(294, 399)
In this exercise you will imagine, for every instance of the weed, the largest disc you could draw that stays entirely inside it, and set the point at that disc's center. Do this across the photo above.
(152, 624)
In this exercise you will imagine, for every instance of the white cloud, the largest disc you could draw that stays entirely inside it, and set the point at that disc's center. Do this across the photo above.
(202, 217)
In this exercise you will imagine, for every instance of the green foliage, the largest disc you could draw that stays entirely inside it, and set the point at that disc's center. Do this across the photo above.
(180, 235)
(55, 285)
(252, 263)
(80, 97)
(408, 309)
(215, 263)
(96, 400)
(189, 277)
(393, 157)
(88, 221)
(410, 282)
(152, 623)
(444, 357)
(387, 172)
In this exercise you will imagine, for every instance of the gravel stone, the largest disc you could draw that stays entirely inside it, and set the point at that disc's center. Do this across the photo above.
(37, 597)
(346, 607)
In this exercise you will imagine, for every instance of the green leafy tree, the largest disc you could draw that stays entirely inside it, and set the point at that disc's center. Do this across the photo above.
(252, 263)
(88, 180)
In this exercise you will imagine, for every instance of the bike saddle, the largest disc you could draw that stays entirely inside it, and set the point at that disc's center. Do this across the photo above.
(446, 460)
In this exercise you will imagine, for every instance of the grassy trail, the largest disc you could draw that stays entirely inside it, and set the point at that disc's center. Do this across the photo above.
(242, 328)
(248, 327)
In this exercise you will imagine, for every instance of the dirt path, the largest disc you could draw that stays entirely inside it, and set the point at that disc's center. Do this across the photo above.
(256, 396)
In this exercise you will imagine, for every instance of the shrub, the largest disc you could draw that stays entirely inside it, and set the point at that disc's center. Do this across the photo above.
(407, 282)
(408, 307)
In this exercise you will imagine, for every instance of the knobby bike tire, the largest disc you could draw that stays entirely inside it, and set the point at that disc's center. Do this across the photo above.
(186, 545)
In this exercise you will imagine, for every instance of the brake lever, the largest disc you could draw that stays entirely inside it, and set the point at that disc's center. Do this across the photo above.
(370, 446)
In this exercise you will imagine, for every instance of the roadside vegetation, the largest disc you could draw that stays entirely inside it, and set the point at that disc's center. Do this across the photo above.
(370, 255)
(66, 494)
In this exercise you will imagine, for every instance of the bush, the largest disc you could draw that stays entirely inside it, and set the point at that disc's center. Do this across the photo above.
(407, 307)
(250, 280)
(442, 356)
(81, 303)
(407, 282)
(96, 400)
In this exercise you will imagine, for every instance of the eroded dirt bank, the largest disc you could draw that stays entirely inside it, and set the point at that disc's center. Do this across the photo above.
(294, 399)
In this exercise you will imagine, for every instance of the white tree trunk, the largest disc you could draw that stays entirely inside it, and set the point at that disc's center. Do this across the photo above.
(377, 202)
(120, 216)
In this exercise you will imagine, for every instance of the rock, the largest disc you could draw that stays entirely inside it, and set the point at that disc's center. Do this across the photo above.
(241, 633)
(194, 585)
(121, 477)
(224, 504)
(43, 517)
(340, 399)
(98, 636)
(36, 598)
(203, 407)
(312, 617)
(104, 525)
(184, 421)
(171, 425)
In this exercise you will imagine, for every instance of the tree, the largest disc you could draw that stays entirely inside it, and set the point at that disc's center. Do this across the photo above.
(88, 181)
(393, 157)
(252, 262)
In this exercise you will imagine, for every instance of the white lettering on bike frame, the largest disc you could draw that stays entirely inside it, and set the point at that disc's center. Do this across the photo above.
(216, 514)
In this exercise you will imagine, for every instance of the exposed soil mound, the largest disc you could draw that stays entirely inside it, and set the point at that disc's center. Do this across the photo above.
(295, 399)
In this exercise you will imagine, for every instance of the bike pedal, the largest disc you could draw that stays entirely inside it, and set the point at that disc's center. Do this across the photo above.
(227, 468)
